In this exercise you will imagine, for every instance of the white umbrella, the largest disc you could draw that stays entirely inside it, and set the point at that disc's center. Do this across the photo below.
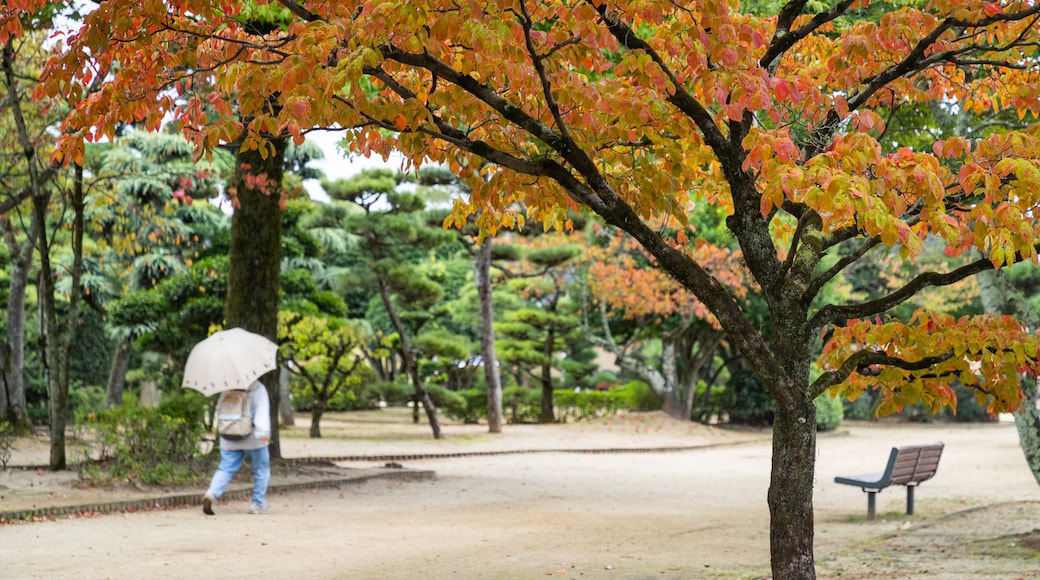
(229, 359)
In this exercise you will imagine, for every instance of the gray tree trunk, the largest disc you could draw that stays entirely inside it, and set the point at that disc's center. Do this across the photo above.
(663, 382)
(256, 255)
(117, 374)
(13, 406)
(288, 416)
(57, 392)
(482, 276)
(998, 296)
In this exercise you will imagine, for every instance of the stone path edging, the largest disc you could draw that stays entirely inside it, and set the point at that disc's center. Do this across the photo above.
(423, 456)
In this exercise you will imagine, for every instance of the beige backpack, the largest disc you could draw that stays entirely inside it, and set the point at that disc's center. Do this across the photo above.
(234, 420)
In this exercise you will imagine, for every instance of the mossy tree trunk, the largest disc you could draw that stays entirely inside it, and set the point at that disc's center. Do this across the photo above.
(256, 255)
(999, 296)
(13, 405)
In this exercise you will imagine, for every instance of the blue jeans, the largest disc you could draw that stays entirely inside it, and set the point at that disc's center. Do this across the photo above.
(231, 460)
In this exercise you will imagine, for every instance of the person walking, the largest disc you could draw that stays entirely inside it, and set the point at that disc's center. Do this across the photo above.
(253, 446)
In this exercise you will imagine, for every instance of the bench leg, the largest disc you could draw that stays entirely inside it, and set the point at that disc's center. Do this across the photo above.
(871, 504)
(910, 500)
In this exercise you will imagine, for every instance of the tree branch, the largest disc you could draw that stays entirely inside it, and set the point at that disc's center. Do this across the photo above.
(862, 360)
(832, 314)
(785, 38)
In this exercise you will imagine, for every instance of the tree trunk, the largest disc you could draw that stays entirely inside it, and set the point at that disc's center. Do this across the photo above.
(72, 320)
(316, 412)
(1027, 422)
(548, 414)
(791, 488)
(117, 374)
(57, 397)
(663, 384)
(15, 409)
(286, 408)
(408, 358)
(999, 296)
(482, 276)
(41, 197)
(670, 402)
(255, 256)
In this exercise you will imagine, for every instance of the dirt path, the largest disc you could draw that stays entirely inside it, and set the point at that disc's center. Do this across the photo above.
(674, 515)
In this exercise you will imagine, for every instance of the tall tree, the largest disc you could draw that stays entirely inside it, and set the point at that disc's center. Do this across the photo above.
(55, 340)
(28, 125)
(390, 228)
(636, 111)
(482, 259)
(536, 338)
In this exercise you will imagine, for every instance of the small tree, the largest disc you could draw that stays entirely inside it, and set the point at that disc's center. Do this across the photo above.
(324, 353)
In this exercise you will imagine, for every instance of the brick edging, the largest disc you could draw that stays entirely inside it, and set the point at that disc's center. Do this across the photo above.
(423, 456)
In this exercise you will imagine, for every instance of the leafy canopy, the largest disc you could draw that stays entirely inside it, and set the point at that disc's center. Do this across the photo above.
(637, 109)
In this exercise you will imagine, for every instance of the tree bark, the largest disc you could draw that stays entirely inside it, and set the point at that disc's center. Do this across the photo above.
(72, 321)
(670, 402)
(255, 256)
(408, 357)
(14, 408)
(791, 488)
(286, 411)
(999, 296)
(117, 374)
(57, 397)
(482, 276)
(316, 412)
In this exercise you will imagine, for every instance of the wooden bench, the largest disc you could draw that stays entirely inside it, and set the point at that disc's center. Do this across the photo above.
(908, 465)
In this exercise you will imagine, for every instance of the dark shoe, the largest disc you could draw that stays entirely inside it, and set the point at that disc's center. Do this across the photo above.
(207, 504)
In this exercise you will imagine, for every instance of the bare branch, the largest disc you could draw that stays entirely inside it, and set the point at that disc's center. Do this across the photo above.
(831, 314)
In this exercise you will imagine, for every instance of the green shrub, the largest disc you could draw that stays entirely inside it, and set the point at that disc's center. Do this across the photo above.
(637, 396)
(587, 404)
(84, 400)
(450, 402)
(522, 404)
(863, 408)
(157, 446)
(392, 393)
(968, 407)
(604, 378)
(746, 401)
(473, 406)
(829, 412)
(192, 406)
(702, 411)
